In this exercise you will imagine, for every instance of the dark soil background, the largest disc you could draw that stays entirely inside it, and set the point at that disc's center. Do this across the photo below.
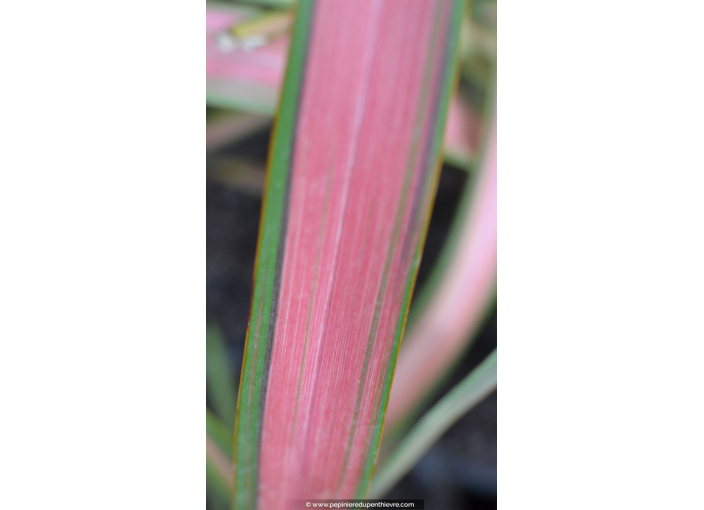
(459, 472)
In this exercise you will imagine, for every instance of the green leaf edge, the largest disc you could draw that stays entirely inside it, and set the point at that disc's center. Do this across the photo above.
(450, 79)
(463, 397)
(246, 448)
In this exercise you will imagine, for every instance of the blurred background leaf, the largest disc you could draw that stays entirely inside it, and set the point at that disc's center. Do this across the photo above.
(221, 386)
(476, 386)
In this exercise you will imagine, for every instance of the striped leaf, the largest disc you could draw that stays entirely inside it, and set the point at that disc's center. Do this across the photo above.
(351, 176)
(249, 80)
(466, 283)
(469, 392)
(241, 78)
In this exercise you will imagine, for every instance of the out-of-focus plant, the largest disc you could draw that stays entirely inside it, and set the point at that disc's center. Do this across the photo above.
(243, 75)
(351, 177)
(470, 391)
(446, 319)
(221, 386)
(241, 72)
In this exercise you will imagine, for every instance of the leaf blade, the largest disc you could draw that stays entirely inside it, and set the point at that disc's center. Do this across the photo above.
(220, 379)
(444, 326)
(469, 392)
(340, 242)
(250, 81)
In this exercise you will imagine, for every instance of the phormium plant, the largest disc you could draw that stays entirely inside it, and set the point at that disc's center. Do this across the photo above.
(351, 177)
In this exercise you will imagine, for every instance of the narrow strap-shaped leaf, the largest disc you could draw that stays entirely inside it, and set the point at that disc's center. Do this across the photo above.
(352, 173)
(218, 448)
(221, 384)
(231, 127)
(270, 3)
(218, 470)
(219, 433)
(472, 390)
(461, 134)
(236, 77)
(442, 329)
(249, 80)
